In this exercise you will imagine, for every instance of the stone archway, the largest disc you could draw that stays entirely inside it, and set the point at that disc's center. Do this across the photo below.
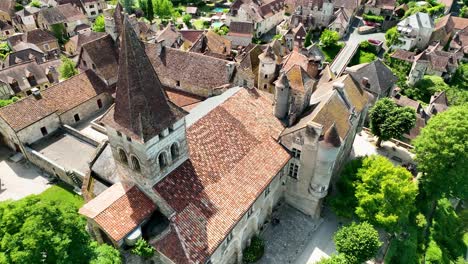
(232, 254)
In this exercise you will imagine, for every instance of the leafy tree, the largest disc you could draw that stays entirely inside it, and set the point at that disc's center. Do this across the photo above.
(149, 12)
(59, 31)
(442, 151)
(447, 232)
(99, 24)
(36, 230)
(277, 36)
(163, 8)
(329, 38)
(335, 259)
(308, 39)
(68, 68)
(222, 30)
(425, 88)
(357, 242)
(143, 249)
(4, 50)
(388, 120)
(391, 36)
(186, 19)
(345, 201)
(142, 4)
(128, 5)
(105, 254)
(35, 3)
(386, 194)
(255, 251)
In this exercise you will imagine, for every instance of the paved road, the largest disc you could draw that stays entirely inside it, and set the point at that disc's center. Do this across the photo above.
(321, 244)
(352, 40)
(19, 179)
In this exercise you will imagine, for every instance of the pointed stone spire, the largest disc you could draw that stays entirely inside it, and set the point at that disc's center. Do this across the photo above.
(331, 136)
(141, 104)
(118, 18)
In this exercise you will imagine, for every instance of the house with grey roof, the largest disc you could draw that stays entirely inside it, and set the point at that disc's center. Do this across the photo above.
(67, 17)
(374, 77)
(415, 31)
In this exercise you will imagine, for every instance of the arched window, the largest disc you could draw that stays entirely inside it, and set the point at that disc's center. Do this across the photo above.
(162, 160)
(123, 156)
(174, 151)
(136, 164)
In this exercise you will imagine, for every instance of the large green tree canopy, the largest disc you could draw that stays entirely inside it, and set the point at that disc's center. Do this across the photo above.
(357, 242)
(388, 120)
(442, 153)
(385, 193)
(34, 230)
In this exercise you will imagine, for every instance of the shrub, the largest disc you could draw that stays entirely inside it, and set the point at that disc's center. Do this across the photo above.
(373, 18)
(255, 251)
(143, 249)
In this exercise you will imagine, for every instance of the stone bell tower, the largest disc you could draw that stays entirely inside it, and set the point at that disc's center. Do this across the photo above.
(146, 131)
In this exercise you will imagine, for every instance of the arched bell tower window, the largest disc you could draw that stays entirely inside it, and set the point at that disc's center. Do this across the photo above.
(123, 156)
(136, 164)
(174, 151)
(162, 160)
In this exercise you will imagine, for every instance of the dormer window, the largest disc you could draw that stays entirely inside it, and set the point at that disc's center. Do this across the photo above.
(94, 66)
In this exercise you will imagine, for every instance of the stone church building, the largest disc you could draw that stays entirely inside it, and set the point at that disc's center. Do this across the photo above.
(198, 185)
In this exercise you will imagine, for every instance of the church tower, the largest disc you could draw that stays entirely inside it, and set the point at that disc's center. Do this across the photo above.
(146, 131)
(267, 73)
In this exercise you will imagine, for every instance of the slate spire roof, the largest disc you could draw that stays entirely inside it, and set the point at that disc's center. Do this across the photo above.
(331, 136)
(141, 105)
(118, 18)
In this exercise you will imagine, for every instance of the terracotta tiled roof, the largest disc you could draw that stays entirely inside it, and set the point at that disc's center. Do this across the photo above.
(83, 38)
(191, 35)
(295, 58)
(142, 109)
(62, 13)
(238, 28)
(7, 6)
(182, 99)
(212, 42)
(119, 210)
(103, 53)
(58, 98)
(402, 100)
(233, 153)
(189, 67)
(459, 23)
(403, 55)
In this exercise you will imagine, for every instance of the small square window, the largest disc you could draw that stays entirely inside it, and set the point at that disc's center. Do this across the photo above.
(293, 170)
(296, 153)
(119, 134)
(129, 139)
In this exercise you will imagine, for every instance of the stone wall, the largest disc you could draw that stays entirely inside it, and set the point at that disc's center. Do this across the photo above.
(86, 110)
(33, 132)
(71, 177)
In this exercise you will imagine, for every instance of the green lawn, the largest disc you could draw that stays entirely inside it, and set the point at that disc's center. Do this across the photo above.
(198, 24)
(62, 194)
(362, 57)
(331, 51)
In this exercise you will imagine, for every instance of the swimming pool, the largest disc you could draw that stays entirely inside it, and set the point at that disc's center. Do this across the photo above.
(218, 9)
